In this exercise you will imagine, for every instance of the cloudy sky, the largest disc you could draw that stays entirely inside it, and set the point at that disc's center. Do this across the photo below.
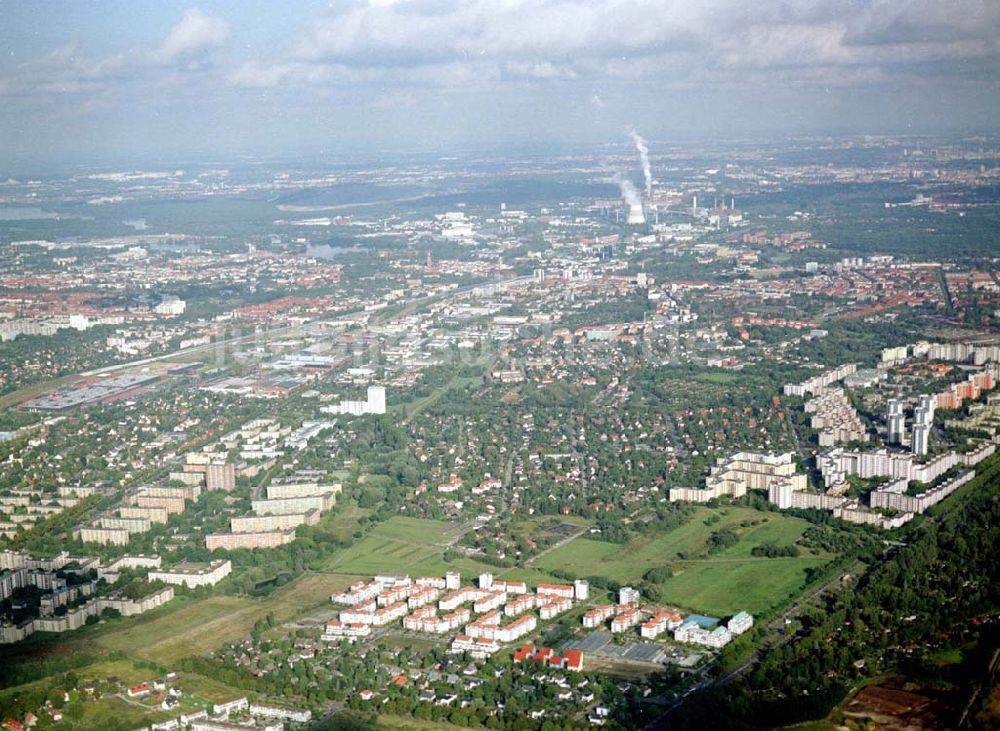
(143, 77)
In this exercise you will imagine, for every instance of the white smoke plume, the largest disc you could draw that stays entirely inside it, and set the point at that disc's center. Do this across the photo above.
(647, 172)
(629, 193)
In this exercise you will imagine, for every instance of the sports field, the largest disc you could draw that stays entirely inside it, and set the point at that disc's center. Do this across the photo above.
(718, 583)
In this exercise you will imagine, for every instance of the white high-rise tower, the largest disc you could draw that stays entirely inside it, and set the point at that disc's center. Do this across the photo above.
(896, 422)
(921, 431)
(376, 399)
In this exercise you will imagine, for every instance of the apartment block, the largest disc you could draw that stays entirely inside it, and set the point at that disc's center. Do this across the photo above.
(520, 604)
(232, 541)
(554, 607)
(835, 418)
(358, 593)
(659, 623)
(598, 615)
(918, 503)
(188, 478)
(278, 490)
(104, 536)
(188, 492)
(477, 648)
(279, 506)
(565, 591)
(111, 572)
(511, 587)
(743, 471)
(694, 633)
(740, 623)
(173, 505)
(265, 523)
(153, 515)
(491, 601)
(194, 575)
(132, 525)
(626, 619)
(77, 618)
(815, 383)
(220, 477)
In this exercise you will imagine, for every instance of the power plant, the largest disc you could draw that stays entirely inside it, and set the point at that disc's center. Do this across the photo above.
(636, 217)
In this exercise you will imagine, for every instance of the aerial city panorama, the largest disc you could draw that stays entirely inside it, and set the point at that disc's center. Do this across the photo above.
(511, 364)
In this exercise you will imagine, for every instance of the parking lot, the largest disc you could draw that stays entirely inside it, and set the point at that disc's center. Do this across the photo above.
(601, 644)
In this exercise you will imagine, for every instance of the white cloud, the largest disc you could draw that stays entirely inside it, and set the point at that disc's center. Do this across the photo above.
(560, 40)
(487, 45)
(256, 75)
(390, 102)
(68, 70)
(195, 33)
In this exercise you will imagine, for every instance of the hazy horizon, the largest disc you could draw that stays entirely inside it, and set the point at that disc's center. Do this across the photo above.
(118, 80)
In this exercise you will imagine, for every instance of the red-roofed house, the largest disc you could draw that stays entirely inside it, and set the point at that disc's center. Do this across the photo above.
(523, 653)
(541, 653)
(138, 690)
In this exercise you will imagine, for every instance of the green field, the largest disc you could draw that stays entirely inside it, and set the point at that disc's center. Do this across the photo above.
(416, 546)
(207, 689)
(419, 531)
(403, 723)
(726, 587)
(110, 710)
(97, 672)
(197, 626)
(375, 555)
(718, 583)
(400, 544)
(343, 521)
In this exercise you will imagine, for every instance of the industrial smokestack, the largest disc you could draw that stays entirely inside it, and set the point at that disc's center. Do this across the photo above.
(647, 172)
(694, 207)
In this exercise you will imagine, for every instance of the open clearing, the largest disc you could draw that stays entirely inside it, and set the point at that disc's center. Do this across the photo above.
(726, 587)
(400, 544)
(110, 710)
(416, 546)
(343, 521)
(719, 583)
(419, 530)
(198, 626)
